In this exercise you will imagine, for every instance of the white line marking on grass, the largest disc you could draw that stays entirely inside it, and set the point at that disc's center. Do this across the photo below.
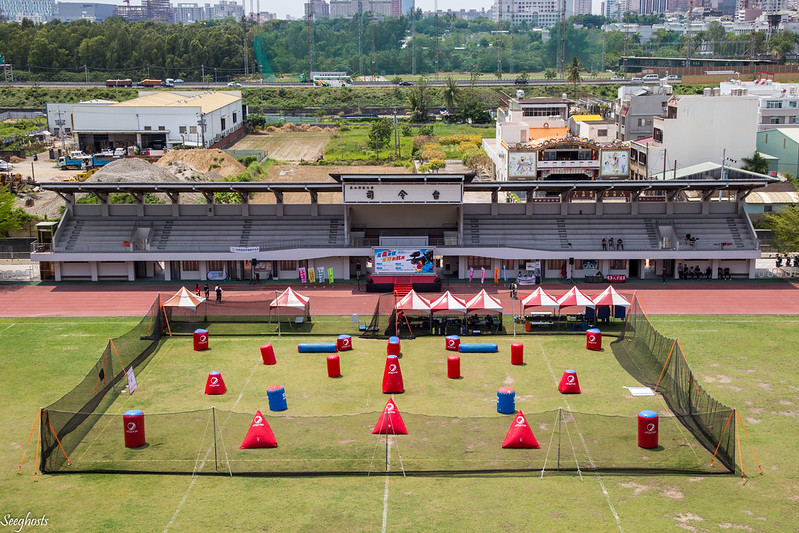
(585, 445)
(5, 328)
(194, 477)
(385, 491)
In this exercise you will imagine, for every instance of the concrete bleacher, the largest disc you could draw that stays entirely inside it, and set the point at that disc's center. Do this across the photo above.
(193, 233)
(586, 233)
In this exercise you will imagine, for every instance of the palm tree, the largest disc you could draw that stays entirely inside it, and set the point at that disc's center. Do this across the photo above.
(573, 73)
(451, 93)
(756, 163)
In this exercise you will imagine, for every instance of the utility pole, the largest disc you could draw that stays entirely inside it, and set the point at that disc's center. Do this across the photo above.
(310, 41)
(563, 38)
(86, 71)
(244, 40)
(688, 34)
(373, 55)
(413, 39)
(499, 42)
(626, 33)
(360, 37)
(202, 70)
(436, 39)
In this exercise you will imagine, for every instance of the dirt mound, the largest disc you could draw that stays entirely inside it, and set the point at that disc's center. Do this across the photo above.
(131, 170)
(205, 161)
(15, 159)
(185, 172)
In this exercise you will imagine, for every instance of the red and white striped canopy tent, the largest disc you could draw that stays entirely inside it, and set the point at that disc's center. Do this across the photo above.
(609, 297)
(539, 298)
(183, 298)
(483, 302)
(575, 297)
(413, 302)
(448, 302)
(289, 302)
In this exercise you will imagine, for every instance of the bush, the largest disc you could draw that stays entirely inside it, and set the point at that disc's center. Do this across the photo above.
(433, 151)
(247, 160)
(426, 130)
(460, 138)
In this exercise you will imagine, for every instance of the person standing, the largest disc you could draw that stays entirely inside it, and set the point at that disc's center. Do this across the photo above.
(604, 244)
(207, 291)
(663, 273)
(197, 289)
(218, 291)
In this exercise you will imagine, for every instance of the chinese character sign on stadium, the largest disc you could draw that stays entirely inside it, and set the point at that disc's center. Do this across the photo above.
(404, 261)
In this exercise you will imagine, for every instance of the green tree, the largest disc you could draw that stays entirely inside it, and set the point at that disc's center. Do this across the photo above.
(756, 163)
(420, 100)
(450, 93)
(784, 226)
(11, 218)
(380, 135)
(573, 73)
(550, 74)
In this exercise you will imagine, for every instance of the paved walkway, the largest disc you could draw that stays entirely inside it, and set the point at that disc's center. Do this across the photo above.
(758, 297)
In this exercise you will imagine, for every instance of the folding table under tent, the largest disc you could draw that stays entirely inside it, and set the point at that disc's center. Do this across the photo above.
(540, 298)
(410, 304)
(484, 302)
(184, 301)
(291, 304)
(575, 298)
(449, 305)
(610, 299)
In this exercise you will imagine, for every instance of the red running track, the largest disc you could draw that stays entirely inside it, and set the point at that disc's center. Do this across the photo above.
(675, 297)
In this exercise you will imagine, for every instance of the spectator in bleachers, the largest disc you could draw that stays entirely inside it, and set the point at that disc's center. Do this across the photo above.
(679, 271)
(604, 244)
(720, 273)
(619, 244)
(698, 272)
(708, 272)
(611, 244)
(685, 272)
(727, 273)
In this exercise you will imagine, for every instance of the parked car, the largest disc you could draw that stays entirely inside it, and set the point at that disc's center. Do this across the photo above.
(405, 84)
(234, 84)
(672, 78)
(5, 166)
(520, 81)
(651, 78)
(614, 77)
(636, 79)
(178, 81)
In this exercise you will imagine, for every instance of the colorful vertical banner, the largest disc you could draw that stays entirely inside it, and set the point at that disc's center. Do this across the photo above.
(330, 274)
(311, 275)
(303, 275)
(320, 274)
(496, 275)
(482, 275)
(471, 274)
(504, 273)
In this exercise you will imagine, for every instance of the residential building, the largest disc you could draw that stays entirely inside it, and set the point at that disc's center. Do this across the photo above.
(536, 13)
(779, 102)
(582, 7)
(38, 11)
(159, 120)
(592, 127)
(188, 13)
(781, 147)
(317, 9)
(636, 109)
(349, 8)
(697, 129)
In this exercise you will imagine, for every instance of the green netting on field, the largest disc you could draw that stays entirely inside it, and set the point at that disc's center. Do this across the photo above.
(208, 442)
(70, 417)
(658, 362)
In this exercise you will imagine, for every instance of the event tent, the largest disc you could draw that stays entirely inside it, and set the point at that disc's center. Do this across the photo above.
(483, 302)
(448, 302)
(183, 298)
(413, 302)
(539, 298)
(291, 301)
(609, 297)
(575, 297)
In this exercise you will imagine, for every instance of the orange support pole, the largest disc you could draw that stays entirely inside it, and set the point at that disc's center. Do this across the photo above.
(35, 423)
(58, 441)
(746, 434)
(671, 351)
(720, 437)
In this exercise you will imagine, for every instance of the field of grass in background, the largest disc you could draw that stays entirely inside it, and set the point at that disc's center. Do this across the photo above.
(746, 362)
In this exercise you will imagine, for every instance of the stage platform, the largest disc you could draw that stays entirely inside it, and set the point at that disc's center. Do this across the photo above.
(418, 282)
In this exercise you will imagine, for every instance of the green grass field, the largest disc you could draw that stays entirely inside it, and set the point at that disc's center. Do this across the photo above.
(746, 362)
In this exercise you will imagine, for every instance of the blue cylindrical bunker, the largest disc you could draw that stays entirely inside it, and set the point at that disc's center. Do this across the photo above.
(506, 401)
(277, 398)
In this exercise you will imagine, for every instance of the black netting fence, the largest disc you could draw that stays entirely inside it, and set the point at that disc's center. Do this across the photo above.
(208, 442)
(658, 362)
(70, 418)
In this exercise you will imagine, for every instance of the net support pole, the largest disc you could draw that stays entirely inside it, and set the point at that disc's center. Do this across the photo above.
(38, 444)
(50, 425)
(724, 431)
(746, 434)
(671, 351)
(35, 423)
(740, 453)
(560, 418)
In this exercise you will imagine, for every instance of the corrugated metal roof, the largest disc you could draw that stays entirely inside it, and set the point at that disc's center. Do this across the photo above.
(207, 100)
(773, 198)
(586, 118)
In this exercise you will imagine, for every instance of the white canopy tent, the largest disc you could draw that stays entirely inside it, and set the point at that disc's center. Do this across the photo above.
(448, 302)
(539, 298)
(291, 303)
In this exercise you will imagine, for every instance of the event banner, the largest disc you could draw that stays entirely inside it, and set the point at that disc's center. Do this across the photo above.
(303, 275)
(330, 274)
(320, 274)
(311, 275)
(404, 261)
(132, 385)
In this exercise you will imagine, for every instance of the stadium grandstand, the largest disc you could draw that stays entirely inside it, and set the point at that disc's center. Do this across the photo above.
(577, 229)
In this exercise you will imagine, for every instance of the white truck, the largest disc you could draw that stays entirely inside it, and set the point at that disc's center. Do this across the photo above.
(75, 159)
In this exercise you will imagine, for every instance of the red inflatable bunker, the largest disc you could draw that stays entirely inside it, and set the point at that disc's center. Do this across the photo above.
(390, 421)
(520, 435)
(259, 435)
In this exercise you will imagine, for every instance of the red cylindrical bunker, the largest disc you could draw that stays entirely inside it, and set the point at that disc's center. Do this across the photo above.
(648, 429)
(593, 339)
(268, 354)
(333, 366)
(343, 343)
(393, 347)
(452, 343)
(133, 422)
(200, 339)
(453, 366)
(517, 353)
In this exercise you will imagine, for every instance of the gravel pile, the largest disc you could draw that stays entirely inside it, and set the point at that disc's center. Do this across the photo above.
(131, 169)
